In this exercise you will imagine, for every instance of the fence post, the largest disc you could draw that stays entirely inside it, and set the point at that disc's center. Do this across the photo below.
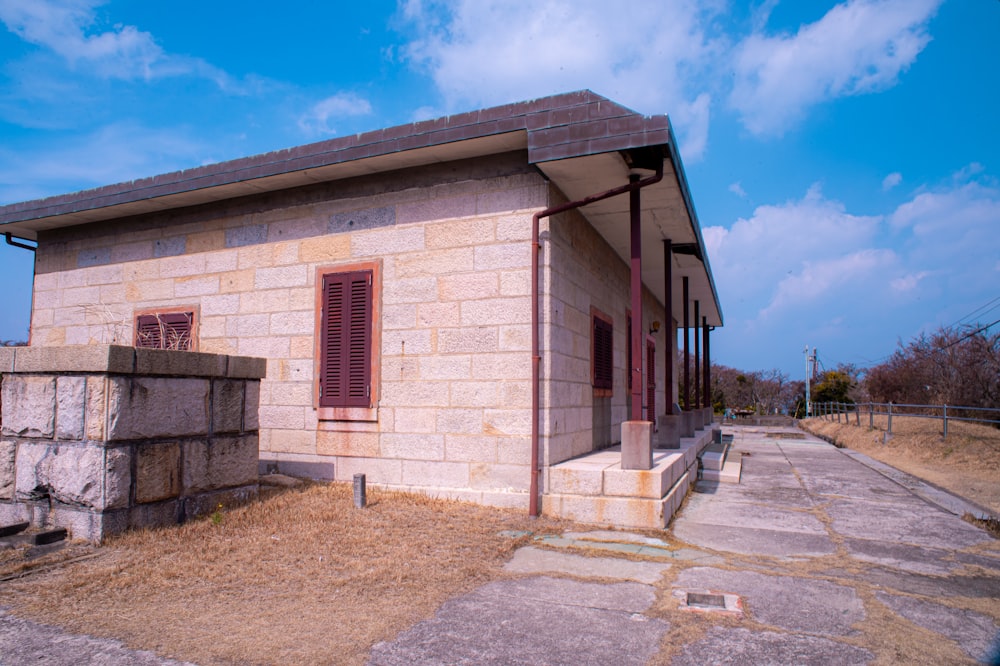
(890, 417)
(857, 416)
(946, 421)
(871, 415)
(838, 412)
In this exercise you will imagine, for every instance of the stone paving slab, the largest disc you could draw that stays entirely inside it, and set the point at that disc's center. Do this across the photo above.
(905, 557)
(533, 621)
(977, 635)
(749, 541)
(916, 523)
(743, 647)
(733, 513)
(787, 602)
(954, 505)
(533, 560)
(26, 642)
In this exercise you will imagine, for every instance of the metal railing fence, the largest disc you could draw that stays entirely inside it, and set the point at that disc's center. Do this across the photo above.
(944, 413)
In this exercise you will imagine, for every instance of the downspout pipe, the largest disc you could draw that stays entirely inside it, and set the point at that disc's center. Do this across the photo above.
(536, 357)
(9, 237)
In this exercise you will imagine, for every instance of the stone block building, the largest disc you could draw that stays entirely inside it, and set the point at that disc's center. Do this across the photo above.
(453, 306)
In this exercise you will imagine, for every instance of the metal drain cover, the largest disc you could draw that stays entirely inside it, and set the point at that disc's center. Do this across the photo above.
(709, 601)
(700, 600)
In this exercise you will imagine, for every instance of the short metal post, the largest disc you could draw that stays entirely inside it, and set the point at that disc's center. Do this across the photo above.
(839, 409)
(360, 493)
(946, 421)
(890, 417)
(857, 416)
(871, 416)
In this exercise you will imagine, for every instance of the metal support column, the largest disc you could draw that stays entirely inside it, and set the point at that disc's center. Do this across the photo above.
(635, 243)
(687, 358)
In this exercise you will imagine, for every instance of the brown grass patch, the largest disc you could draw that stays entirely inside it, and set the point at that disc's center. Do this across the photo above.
(967, 463)
(302, 577)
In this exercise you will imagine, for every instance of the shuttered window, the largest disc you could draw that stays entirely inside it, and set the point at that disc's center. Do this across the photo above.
(346, 340)
(164, 331)
(603, 353)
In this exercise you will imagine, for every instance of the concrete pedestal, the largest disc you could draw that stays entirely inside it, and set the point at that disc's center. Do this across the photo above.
(687, 424)
(637, 445)
(668, 431)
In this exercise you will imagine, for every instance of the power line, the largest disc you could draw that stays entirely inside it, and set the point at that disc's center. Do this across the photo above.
(974, 312)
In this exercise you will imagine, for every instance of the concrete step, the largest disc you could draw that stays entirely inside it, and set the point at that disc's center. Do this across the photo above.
(730, 472)
(714, 456)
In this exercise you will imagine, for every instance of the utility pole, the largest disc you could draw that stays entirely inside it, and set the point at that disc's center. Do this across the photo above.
(810, 360)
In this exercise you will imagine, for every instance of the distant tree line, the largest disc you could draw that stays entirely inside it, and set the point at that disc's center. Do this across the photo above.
(952, 366)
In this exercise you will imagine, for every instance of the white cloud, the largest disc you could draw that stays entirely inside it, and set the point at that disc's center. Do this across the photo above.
(318, 119)
(821, 281)
(69, 29)
(648, 57)
(858, 47)
(737, 189)
(754, 255)
(891, 181)
(789, 270)
(111, 154)
(909, 282)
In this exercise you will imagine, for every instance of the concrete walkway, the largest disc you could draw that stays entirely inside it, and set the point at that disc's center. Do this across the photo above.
(814, 558)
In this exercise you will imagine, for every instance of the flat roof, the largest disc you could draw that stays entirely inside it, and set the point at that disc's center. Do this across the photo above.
(578, 140)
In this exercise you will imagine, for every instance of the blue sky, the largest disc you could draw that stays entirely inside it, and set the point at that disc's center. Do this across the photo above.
(844, 158)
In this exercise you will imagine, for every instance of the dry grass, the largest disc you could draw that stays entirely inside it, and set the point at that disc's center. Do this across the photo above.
(966, 463)
(302, 577)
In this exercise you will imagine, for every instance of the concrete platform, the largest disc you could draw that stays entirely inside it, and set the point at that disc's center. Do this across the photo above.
(594, 488)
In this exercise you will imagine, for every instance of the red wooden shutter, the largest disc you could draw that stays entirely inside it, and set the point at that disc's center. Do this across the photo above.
(650, 381)
(165, 331)
(345, 365)
(603, 357)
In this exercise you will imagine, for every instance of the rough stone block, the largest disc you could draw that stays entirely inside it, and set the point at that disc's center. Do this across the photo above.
(637, 445)
(227, 405)
(69, 474)
(29, 406)
(246, 367)
(157, 472)
(8, 450)
(147, 407)
(169, 362)
(220, 462)
(205, 504)
(117, 478)
(96, 412)
(76, 358)
(251, 406)
(155, 515)
(6, 359)
(70, 407)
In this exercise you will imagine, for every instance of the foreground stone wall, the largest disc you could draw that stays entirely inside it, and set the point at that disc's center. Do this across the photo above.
(104, 438)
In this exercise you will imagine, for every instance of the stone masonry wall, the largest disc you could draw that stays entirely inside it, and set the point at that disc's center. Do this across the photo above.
(582, 271)
(453, 242)
(100, 439)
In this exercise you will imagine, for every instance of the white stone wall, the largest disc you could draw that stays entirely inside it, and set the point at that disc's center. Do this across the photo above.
(454, 387)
